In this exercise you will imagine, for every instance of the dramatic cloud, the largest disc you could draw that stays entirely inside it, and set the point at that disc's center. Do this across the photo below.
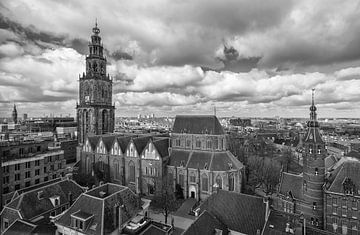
(244, 57)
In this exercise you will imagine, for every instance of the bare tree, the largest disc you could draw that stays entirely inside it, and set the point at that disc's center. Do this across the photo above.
(264, 173)
(164, 196)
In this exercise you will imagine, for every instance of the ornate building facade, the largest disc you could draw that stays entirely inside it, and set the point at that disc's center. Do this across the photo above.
(200, 162)
(95, 112)
(138, 162)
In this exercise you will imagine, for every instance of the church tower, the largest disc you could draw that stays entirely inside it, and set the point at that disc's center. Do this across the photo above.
(14, 114)
(314, 171)
(95, 113)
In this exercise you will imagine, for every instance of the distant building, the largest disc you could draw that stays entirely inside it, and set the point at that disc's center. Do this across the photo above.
(14, 115)
(243, 122)
(38, 206)
(199, 158)
(28, 163)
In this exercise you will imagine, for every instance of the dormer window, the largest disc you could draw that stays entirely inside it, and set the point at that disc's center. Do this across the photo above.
(349, 186)
(40, 195)
(55, 200)
(230, 165)
(314, 205)
(319, 151)
(80, 220)
(206, 166)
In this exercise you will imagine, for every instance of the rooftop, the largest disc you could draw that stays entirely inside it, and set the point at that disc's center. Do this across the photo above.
(197, 124)
(105, 190)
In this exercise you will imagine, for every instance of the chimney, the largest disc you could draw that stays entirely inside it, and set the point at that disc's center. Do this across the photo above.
(287, 229)
(102, 194)
(267, 208)
(120, 221)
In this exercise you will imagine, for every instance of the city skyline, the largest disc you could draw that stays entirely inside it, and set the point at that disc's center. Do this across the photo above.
(171, 58)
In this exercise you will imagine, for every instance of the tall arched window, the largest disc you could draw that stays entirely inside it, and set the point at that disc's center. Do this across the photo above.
(219, 181)
(204, 182)
(116, 169)
(131, 171)
(104, 120)
(231, 182)
(88, 165)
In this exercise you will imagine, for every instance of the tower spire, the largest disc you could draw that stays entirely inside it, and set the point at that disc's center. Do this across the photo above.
(313, 107)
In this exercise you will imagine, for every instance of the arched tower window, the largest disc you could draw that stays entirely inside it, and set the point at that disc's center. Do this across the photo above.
(231, 182)
(316, 171)
(204, 182)
(104, 121)
(131, 171)
(219, 181)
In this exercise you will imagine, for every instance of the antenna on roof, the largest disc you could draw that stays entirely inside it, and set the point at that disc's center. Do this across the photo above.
(214, 110)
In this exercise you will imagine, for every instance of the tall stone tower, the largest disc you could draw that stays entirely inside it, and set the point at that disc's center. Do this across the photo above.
(314, 171)
(95, 113)
(14, 114)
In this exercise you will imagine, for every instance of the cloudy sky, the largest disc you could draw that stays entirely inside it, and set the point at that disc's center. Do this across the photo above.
(247, 58)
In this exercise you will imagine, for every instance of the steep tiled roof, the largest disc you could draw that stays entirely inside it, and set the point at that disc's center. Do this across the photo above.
(20, 227)
(83, 203)
(349, 169)
(93, 140)
(206, 223)
(162, 146)
(215, 161)
(102, 208)
(222, 160)
(199, 159)
(291, 182)
(140, 143)
(123, 142)
(277, 223)
(239, 212)
(197, 124)
(108, 140)
(330, 161)
(354, 154)
(178, 156)
(313, 135)
(31, 206)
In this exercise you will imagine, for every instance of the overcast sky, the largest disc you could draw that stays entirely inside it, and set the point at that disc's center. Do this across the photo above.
(247, 58)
